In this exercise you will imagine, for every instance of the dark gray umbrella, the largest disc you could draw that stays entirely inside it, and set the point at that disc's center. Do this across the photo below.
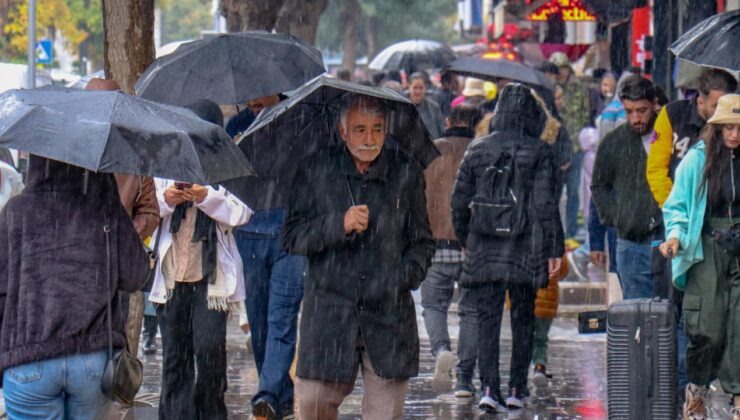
(105, 131)
(230, 69)
(498, 69)
(290, 131)
(412, 56)
(712, 42)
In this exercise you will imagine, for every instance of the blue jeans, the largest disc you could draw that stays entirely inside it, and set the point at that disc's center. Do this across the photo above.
(66, 387)
(436, 295)
(274, 288)
(573, 188)
(634, 269)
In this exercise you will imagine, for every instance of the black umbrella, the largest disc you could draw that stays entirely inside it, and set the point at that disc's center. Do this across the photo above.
(412, 56)
(499, 69)
(713, 42)
(285, 134)
(230, 69)
(106, 131)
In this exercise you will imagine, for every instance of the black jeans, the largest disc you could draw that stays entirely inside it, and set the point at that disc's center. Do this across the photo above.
(490, 304)
(192, 335)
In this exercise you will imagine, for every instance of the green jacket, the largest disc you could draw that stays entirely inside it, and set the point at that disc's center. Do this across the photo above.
(576, 112)
(683, 212)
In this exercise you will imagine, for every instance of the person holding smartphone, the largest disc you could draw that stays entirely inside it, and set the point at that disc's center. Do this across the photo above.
(198, 282)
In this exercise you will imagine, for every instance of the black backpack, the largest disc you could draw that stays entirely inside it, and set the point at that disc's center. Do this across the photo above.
(498, 207)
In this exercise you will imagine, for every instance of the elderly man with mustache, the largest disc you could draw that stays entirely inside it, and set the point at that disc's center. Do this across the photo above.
(358, 212)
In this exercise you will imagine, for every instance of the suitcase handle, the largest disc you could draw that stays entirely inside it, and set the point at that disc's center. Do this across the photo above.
(649, 357)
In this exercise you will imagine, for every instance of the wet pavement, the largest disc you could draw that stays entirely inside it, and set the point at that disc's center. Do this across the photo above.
(577, 389)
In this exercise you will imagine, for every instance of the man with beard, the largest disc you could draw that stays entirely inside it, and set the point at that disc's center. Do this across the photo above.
(620, 189)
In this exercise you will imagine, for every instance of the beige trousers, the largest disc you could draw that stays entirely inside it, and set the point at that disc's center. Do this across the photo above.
(383, 398)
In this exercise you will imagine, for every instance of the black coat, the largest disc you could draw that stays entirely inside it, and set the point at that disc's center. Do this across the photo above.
(53, 292)
(359, 284)
(523, 259)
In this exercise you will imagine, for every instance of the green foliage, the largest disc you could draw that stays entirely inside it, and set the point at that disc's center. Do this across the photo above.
(397, 20)
(184, 19)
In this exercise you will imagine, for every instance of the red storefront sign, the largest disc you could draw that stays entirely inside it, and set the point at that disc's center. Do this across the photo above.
(569, 10)
(640, 35)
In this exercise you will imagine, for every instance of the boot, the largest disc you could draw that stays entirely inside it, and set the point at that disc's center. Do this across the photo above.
(150, 334)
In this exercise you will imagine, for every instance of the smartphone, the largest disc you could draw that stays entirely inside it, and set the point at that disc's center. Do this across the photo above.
(183, 185)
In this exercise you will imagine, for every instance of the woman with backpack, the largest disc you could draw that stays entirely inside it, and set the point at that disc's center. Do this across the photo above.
(702, 221)
(504, 211)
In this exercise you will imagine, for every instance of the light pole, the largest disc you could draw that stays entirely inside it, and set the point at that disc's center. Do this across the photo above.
(31, 73)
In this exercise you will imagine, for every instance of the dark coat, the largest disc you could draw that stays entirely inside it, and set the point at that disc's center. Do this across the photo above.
(53, 292)
(619, 186)
(358, 287)
(523, 260)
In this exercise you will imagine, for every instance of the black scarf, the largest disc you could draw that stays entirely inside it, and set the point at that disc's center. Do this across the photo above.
(205, 231)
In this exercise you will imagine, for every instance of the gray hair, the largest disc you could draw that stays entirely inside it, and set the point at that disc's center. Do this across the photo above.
(366, 104)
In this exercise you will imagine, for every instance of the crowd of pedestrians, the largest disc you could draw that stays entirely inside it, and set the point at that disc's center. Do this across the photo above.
(344, 237)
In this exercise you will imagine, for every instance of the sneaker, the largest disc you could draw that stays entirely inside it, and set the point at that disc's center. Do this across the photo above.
(491, 402)
(443, 366)
(464, 389)
(695, 406)
(263, 410)
(517, 398)
(540, 377)
(150, 348)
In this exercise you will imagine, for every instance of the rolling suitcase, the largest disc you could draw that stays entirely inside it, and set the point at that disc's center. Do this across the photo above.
(641, 359)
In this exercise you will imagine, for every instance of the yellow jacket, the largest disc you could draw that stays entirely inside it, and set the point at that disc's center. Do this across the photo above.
(659, 158)
(676, 129)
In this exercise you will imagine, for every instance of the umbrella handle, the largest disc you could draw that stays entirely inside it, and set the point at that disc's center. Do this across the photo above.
(85, 181)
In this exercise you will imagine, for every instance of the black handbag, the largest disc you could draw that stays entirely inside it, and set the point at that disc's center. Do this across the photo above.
(592, 322)
(123, 373)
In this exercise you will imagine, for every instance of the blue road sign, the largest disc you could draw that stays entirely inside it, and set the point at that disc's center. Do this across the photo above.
(44, 52)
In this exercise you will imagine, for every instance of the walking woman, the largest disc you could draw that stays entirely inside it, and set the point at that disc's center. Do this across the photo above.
(701, 215)
(54, 293)
(199, 281)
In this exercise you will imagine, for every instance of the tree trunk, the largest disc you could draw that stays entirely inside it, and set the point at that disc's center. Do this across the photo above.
(371, 37)
(128, 51)
(244, 15)
(348, 17)
(129, 40)
(301, 18)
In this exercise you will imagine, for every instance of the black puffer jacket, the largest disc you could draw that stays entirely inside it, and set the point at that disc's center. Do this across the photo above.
(518, 121)
(53, 292)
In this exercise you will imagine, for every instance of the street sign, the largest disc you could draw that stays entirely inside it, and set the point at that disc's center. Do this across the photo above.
(44, 52)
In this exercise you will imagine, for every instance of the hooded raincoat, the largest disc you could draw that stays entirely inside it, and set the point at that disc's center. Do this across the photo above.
(517, 121)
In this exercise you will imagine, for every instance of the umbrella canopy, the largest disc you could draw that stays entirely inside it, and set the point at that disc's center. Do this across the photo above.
(230, 69)
(107, 131)
(499, 69)
(295, 128)
(412, 56)
(712, 42)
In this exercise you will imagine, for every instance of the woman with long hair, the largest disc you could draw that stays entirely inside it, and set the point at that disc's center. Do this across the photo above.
(702, 220)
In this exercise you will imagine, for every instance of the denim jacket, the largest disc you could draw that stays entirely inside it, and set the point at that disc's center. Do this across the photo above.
(683, 213)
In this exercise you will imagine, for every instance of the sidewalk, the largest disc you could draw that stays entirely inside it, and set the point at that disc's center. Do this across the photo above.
(577, 390)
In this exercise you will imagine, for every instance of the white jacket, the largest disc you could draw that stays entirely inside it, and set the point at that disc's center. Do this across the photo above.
(229, 212)
(11, 183)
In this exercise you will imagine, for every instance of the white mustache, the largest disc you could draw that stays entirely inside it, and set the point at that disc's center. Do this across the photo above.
(364, 148)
